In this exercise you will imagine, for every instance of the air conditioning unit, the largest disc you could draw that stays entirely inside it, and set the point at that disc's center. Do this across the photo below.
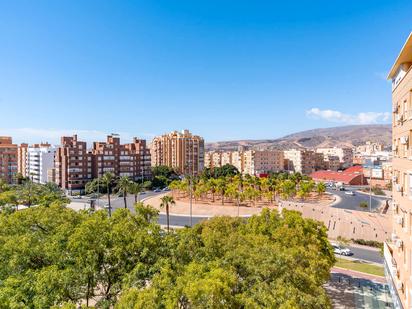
(399, 220)
(394, 178)
(394, 237)
(404, 140)
(397, 117)
(395, 108)
(399, 285)
(399, 243)
(398, 188)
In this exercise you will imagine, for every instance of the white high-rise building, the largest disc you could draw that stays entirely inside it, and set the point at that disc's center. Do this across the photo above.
(39, 160)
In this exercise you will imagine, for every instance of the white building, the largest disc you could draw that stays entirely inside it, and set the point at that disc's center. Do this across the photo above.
(39, 161)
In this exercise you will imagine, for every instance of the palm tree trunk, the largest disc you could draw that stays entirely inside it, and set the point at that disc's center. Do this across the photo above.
(124, 199)
(135, 198)
(110, 205)
(167, 216)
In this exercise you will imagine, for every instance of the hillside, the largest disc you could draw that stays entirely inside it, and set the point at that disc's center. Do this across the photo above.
(346, 136)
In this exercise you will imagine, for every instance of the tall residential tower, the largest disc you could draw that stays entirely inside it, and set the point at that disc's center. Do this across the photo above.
(398, 251)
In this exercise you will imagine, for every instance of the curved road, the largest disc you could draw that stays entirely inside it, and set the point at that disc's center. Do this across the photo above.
(352, 202)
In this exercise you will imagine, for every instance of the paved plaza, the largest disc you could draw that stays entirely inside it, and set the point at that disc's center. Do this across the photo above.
(350, 289)
(340, 222)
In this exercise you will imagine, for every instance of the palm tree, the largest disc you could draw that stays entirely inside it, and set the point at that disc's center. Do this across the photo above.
(221, 187)
(320, 188)
(107, 180)
(211, 184)
(167, 201)
(123, 185)
(135, 189)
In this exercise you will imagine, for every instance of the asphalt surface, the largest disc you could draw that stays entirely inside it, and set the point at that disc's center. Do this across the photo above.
(352, 202)
(369, 255)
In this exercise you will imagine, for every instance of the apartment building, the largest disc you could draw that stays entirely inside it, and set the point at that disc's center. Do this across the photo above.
(345, 155)
(73, 165)
(40, 158)
(258, 162)
(8, 159)
(22, 159)
(370, 148)
(35, 160)
(302, 161)
(252, 162)
(131, 160)
(398, 251)
(181, 151)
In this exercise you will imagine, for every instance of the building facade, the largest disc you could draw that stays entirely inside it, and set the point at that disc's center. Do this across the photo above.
(35, 160)
(345, 155)
(182, 151)
(8, 159)
(73, 165)
(398, 251)
(131, 160)
(40, 159)
(251, 162)
(301, 161)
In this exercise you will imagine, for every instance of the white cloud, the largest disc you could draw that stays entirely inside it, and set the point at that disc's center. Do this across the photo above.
(32, 135)
(336, 116)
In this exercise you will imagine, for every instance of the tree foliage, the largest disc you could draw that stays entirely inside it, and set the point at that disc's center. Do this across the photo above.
(269, 261)
(54, 257)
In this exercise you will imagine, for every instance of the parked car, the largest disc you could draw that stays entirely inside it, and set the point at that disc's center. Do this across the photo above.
(157, 190)
(106, 206)
(143, 192)
(350, 193)
(166, 189)
(341, 250)
(341, 188)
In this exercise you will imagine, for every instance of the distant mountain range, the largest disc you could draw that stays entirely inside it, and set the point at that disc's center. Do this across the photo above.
(346, 136)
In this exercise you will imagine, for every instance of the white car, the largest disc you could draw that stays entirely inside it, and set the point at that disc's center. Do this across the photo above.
(341, 250)
(350, 193)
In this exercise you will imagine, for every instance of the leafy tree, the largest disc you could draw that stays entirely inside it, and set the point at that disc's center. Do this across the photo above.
(269, 261)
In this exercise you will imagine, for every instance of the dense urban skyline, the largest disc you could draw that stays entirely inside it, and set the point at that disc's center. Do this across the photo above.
(140, 69)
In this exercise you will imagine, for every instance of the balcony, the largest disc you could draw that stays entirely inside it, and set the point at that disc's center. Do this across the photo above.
(392, 274)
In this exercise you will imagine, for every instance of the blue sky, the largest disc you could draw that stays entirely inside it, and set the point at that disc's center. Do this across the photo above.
(223, 69)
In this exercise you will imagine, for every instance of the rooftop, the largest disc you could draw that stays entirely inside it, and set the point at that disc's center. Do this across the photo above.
(404, 56)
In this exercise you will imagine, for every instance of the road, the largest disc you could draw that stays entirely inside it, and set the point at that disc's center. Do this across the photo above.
(363, 253)
(352, 202)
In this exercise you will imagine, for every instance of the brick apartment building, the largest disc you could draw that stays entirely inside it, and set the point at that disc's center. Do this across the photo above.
(131, 160)
(8, 159)
(73, 165)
